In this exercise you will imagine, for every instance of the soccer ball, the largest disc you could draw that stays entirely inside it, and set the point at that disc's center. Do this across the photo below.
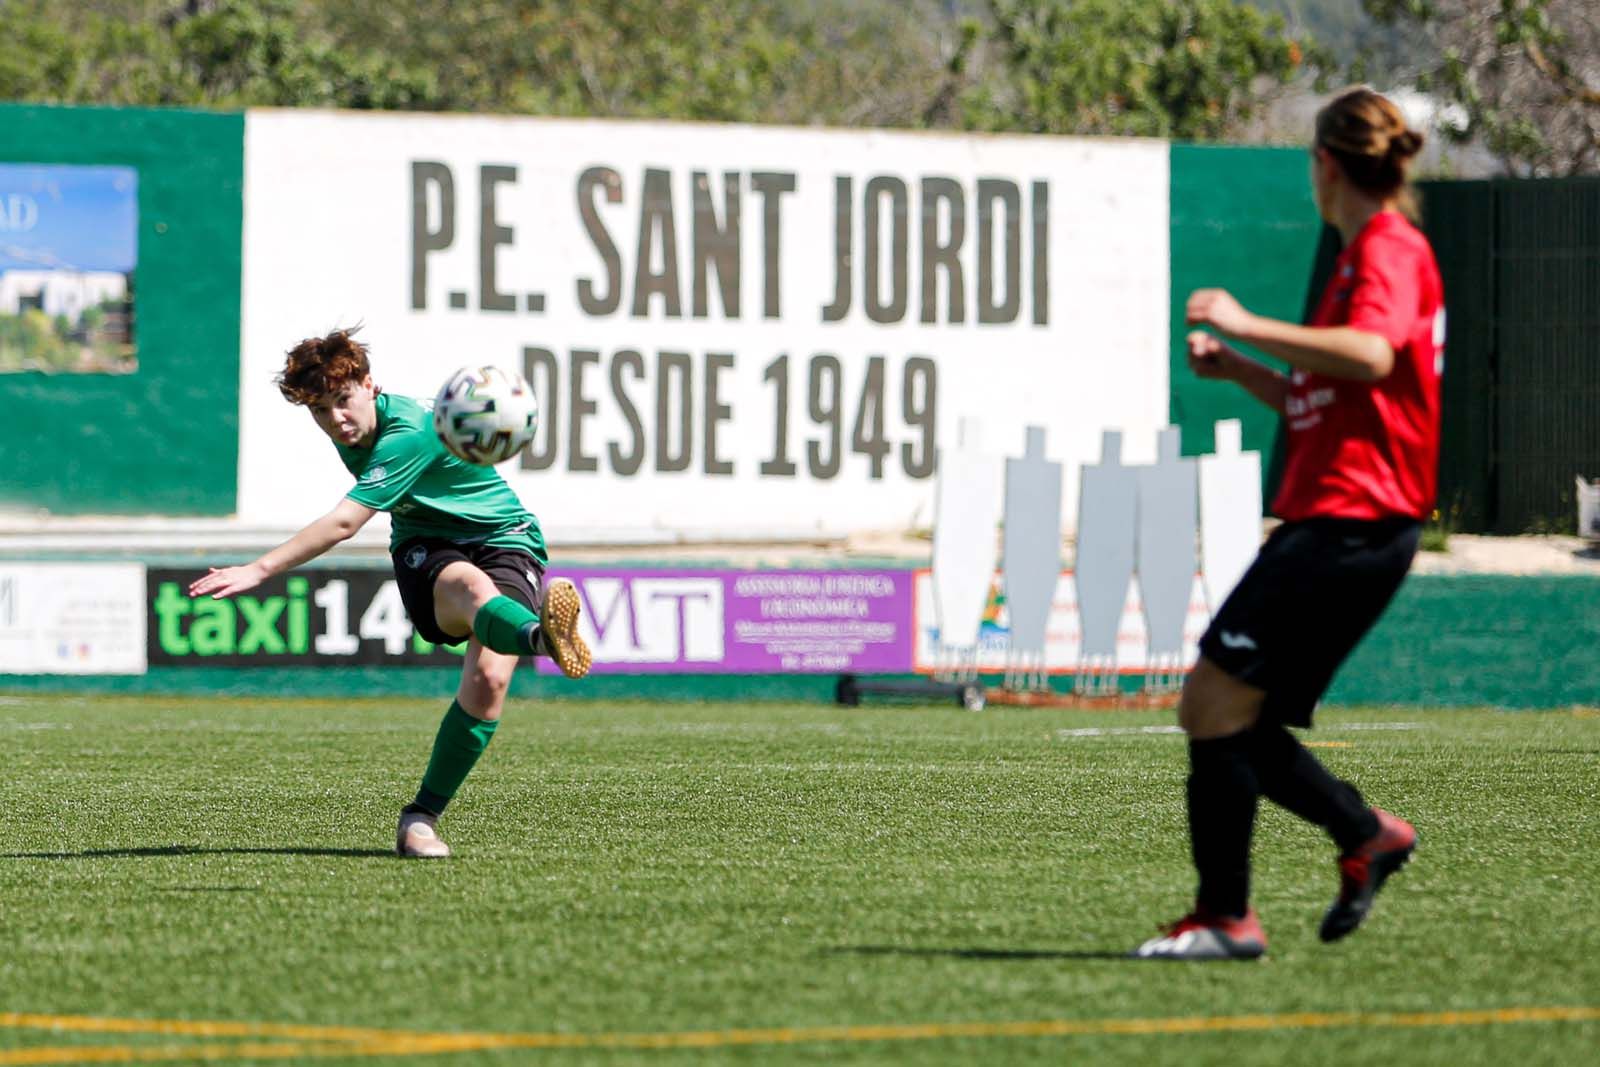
(485, 415)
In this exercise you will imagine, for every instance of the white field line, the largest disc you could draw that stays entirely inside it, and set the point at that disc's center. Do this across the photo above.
(1133, 731)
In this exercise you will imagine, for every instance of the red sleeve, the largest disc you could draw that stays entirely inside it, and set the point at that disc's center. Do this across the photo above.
(1386, 292)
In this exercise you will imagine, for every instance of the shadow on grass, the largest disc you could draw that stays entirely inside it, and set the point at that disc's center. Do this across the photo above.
(207, 889)
(975, 953)
(192, 850)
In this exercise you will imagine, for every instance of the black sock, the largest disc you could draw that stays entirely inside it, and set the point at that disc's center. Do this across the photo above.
(428, 803)
(533, 639)
(1292, 778)
(1222, 814)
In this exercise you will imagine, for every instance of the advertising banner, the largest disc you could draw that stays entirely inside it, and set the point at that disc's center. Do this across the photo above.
(1063, 633)
(69, 244)
(756, 330)
(748, 622)
(637, 621)
(72, 618)
(329, 617)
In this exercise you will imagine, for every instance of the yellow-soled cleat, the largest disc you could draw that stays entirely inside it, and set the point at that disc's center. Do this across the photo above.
(559, 621)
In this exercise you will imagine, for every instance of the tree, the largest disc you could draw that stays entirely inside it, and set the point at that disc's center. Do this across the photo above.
(1188, 69)
(844, 62)
(1358, 44)
(1525, 75)
(230, 53)
(243, 52)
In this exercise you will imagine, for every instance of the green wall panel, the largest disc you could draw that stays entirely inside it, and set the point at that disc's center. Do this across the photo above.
(164, 439)
(1503, 640)
(1242, 219)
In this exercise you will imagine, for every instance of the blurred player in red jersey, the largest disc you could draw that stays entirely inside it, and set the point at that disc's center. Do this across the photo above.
(1361, 405)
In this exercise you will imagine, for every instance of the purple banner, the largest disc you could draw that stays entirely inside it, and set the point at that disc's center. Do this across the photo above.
(641, 621)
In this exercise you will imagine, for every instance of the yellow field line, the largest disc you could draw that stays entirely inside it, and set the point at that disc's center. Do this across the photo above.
(70, 1054)
(420, 1045)
(94, 1024)
(348, 1041)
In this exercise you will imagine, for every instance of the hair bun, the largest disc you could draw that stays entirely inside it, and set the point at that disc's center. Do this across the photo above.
(1405, 144)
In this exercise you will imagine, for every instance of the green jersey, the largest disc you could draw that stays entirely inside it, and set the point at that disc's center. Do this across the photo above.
(430, 493)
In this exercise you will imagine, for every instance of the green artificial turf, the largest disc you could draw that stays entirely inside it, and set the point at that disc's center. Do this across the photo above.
(643, 869)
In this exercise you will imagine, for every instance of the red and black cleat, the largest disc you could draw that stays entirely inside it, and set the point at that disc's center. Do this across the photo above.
(1363, 872)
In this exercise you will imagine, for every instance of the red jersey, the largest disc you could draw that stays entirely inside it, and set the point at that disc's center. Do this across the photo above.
(1369, 450)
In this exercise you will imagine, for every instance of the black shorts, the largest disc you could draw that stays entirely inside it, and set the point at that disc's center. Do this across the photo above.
(1313, 592)
(417, 564)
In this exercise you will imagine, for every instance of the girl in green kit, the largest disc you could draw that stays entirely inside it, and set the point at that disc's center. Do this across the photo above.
(468, 557)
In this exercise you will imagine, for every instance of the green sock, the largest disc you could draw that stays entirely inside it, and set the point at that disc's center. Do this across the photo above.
(461, 740)
(506, 626)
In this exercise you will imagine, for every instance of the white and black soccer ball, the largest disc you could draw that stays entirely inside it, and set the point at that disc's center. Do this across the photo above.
(485, 415)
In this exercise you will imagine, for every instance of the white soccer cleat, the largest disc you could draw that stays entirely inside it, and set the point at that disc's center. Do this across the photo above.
(558, 619)
(417, 838)
(1203, 936)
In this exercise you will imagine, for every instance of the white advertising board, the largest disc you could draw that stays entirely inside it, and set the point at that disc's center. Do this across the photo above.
(749, 329)
(72, 618)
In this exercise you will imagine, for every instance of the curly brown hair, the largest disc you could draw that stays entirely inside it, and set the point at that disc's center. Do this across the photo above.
(322, 366)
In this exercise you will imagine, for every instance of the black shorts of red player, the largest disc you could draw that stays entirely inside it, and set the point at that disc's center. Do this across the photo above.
(1313, 592)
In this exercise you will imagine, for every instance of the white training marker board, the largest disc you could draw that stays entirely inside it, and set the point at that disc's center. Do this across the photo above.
(1108, 502)
(1230, 512)
(965, 514)
(1032, 556)
(1166, 556)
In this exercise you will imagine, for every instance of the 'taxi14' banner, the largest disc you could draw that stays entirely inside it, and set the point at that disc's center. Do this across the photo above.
(749, 329)
(637, 621)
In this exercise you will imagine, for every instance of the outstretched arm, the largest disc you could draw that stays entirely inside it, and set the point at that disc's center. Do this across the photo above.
(337, 525)
(1334, 351)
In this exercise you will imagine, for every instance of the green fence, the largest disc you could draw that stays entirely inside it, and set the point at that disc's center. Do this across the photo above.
(1521, 391)
(1242, 219)
(1502, 640)
(1521, 268)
